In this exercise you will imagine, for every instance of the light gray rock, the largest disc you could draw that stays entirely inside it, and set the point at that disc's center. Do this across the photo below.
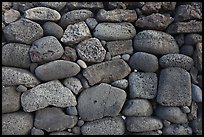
(91, 50)
(166, 123)
(196, 93)
(69, 54)
(57, 70)
(21, 88)
(193, 39)
(17, 123)
(142, 85)
(75, 33)
(139, 61)
(100, 101)
(106, 72)
(35, 131)
(42, 14)
(74, 84)
(104, 126)
(119, 47)
(53, 5)
(121, 83)
(85, 5)
(172, 114)
(91, 23)
(116, 15)
(137, 107)
(168, 6)
(10, 100)
(15, 76)
(126, 57)
(43, 95)
(185, 109)
(155, 42)
(44, 119)
(61, 133)
(52, 29)
(23, 31)
(81, 63)
(80, 122)
(176, 129)
(178, 91)
(108, 31)
(142, 124)
(11, 16)
(197, 57)
(71, 110)
(176, 60)
(46, 49)
(16, 55)
(75, 16)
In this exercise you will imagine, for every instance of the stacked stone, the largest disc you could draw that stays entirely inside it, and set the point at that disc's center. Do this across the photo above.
(102, 68)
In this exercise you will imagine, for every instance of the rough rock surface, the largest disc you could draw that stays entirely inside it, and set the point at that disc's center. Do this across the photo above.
(176, 129)
(53, 5)
(85, 5)
(70, 54)
(74, 84)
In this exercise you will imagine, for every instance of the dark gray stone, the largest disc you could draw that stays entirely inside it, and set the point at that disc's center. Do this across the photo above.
(176, 60)
(46, 49)
(142, 124)
(53, 5)
(119, 47)
(197, 57)
(15, 76)
(178, 91)
(176, 129)
(180, 39)
(85, 5)
(52, 29)
(139, 61)
(71, 110)
(193, 39)
(187, 50)
(142, 85)
(196, 93)
(74, 84)
(107, 71)
(108, 31)
(10, 100)
(43, 95)
(137, 107)
(57, 70)
(69, 54)
(23, 31)
(100, 101)
(17, 123)
(16, 55)
(104, 126)
(116, 5)
(172, 114)
(44, 119)
(155, 42)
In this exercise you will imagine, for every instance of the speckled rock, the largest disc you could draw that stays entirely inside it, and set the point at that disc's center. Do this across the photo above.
(70, 54)
(100, 101)
(179, 84)
(17, 123)
(91, 23)
(74, 84)
(104, 126)
(71, 110)
(11, 16)
(81, 63)
(85, 5)
(53, 5)
(151, 7)
(44, 95)
(197, 57)
(16, 55)
(15, 76)
(187, 50)
(23, 31)
(57, 70)
(116, 5)
(176, 129)
(107, 31)
(52, 29)
(121, 83)
(193, 39)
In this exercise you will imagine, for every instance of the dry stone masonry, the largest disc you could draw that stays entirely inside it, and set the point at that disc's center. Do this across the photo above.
(101, 68)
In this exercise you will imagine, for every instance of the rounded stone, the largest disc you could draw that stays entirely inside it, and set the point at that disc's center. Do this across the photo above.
(176, 60)
(91, 50)
(71, 110)
(126, 57)
(177, 129)
(196, 93)
(11, 16)
(122, 83)
(21, 88)
(81, 63)
(52, 29)
(139, 61)
(74, 84)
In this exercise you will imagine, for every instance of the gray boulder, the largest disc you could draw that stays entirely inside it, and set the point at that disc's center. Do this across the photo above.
(193, 39)
(121, 83)
(176, 129)
(85, 5)
(53, 5)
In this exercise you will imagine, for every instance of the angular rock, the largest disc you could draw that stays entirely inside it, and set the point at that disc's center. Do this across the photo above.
(15, 76)
(155, 21)
(91, 50)
(16, 55)
(192, 26)
(52, 29)
(108, 31)
(139, 61)
(53, 5)
(168, 6)
(119, 47)
(74, 84)
(176, 60)
(6, 6)
(43, 95)
(122, 83)
(17, 123)
(193, 39)
(197, 57)
(91, 23)
(46, 49)
(10, 100)
(106, 72)
(100, 101)
(57, 69)
(42, 14)
(45, 118)
(69, 54)
(23, 31)
(11, 16)
(116, 15)
(142, 85)
(75, 16)
(137, 107)
(178, 91)
(142, 124)
(104, 126)
(85, 5)
(176, 129)
(172, 114)
(196, 93)
(116, 5)
(187, 12)
(151, 7)
(76, 33)
(155, 42)
(197, 125)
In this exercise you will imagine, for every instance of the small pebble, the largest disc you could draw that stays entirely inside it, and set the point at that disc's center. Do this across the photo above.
(187, 50)
(116, 57)
(126, 57)
(21, 88)
(76, 130)
(196, 93)
(80, 122)
(185, 109)
(71, 111)
(166, 123)
(81, 63)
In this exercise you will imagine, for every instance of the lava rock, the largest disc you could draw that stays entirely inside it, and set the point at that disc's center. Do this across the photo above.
(176, 129)
(74, 84)
(11, 16)
(35, 131)
(52, 29)
(91, 23)
(70, 54)
(85, 5)
(151, 7)
(193, 39)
